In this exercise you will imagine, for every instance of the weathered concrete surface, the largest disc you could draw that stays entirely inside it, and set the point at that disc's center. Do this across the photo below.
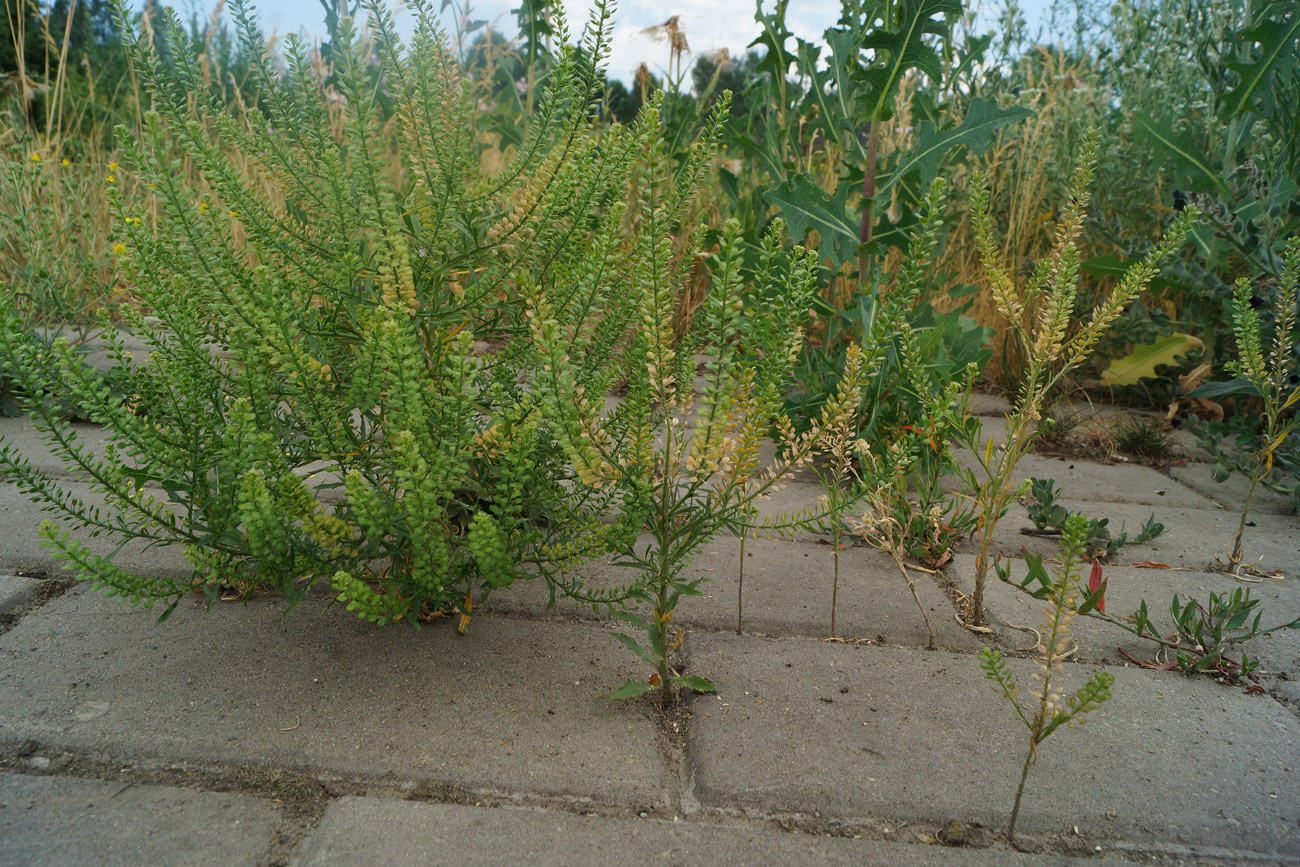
(1099, 483)
(360, 831)
(1230, 493)
(514, 707)
(33, 444)
(1192, 539)
(1169, 763)
(47, 821)
(16, 592)
(987, 403)
(788, 589)
(21, 549)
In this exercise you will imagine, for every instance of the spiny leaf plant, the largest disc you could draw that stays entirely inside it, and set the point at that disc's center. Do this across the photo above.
(1051, 709)
(339, 385)
(1040, 315)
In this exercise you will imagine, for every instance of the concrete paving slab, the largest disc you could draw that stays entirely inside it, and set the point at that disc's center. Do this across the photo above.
(787, 592)
(47, 821)
(1279, 602)
(1230, 493)
(1191, 540)
(515, 707)
(1170, 763)
(359, 831)
(16, 592)
(22, 551)
(1100, 483)
(987, 403)
(797, 497)
(32, 443)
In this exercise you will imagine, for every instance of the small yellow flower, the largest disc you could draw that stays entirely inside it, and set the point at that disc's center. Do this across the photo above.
(119, 249)
(112, 179)
(65, 162)
(203, 206)
(112, 167)
(36, 158)
(234, 213)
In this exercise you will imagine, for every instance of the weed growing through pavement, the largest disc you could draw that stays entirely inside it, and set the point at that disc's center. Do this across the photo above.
(1040, 316)
(1144, 438)
(1052, 708)
(1271, 373)
(683, 468)
(1049, 519)
(1203, 637)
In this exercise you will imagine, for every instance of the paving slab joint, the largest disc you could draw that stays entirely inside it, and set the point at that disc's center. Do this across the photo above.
(32, 599)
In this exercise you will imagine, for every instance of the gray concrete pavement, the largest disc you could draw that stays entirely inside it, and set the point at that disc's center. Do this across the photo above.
(51, 821)
(787, 591)
(355, 831)
(144, 741)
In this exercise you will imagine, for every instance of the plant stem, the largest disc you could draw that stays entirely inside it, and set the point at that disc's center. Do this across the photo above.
(988, 522)
(868, 201)
(1235, 558)
(667, 694)
(835, 581)
(911, 585)
(1020, 791)
(740, 593)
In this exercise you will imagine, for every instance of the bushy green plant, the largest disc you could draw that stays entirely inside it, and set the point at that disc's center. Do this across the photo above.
(1203, 637)
(1266, 370)
(680, 467)
(340, 385)
(55, 255)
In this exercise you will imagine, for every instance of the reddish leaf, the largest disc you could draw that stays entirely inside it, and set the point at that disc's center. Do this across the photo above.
(1094, 585)
(1150, 564)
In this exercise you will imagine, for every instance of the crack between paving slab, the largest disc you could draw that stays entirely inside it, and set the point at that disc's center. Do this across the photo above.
(301, 801)
(49, 588)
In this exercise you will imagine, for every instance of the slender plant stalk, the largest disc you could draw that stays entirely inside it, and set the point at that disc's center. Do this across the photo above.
(740, 592)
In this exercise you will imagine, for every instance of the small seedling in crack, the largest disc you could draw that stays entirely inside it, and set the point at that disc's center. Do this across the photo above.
(1049, 519)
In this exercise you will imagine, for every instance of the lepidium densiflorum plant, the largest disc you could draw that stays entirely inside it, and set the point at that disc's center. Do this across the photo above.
(1050, 708)
(1270, 367)
(339, 381)
(1041, 315)
(684, 466)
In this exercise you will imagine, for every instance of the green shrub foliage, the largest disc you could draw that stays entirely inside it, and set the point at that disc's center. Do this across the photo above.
(340, 384)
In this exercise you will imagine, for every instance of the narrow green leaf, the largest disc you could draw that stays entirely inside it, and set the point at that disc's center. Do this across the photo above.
(1278, 55)
(698, 684)
(631, 644)
(631, 689)
(629, 617)
(1188, 160)
(1230, 388)
(975, 132)
(805, 206)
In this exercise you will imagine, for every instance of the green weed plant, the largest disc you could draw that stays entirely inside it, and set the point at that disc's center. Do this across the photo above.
(1041, 315)
(340, 384)
(1050, 708)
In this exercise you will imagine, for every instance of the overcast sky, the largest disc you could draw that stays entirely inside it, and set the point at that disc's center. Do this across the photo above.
(709, 24)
